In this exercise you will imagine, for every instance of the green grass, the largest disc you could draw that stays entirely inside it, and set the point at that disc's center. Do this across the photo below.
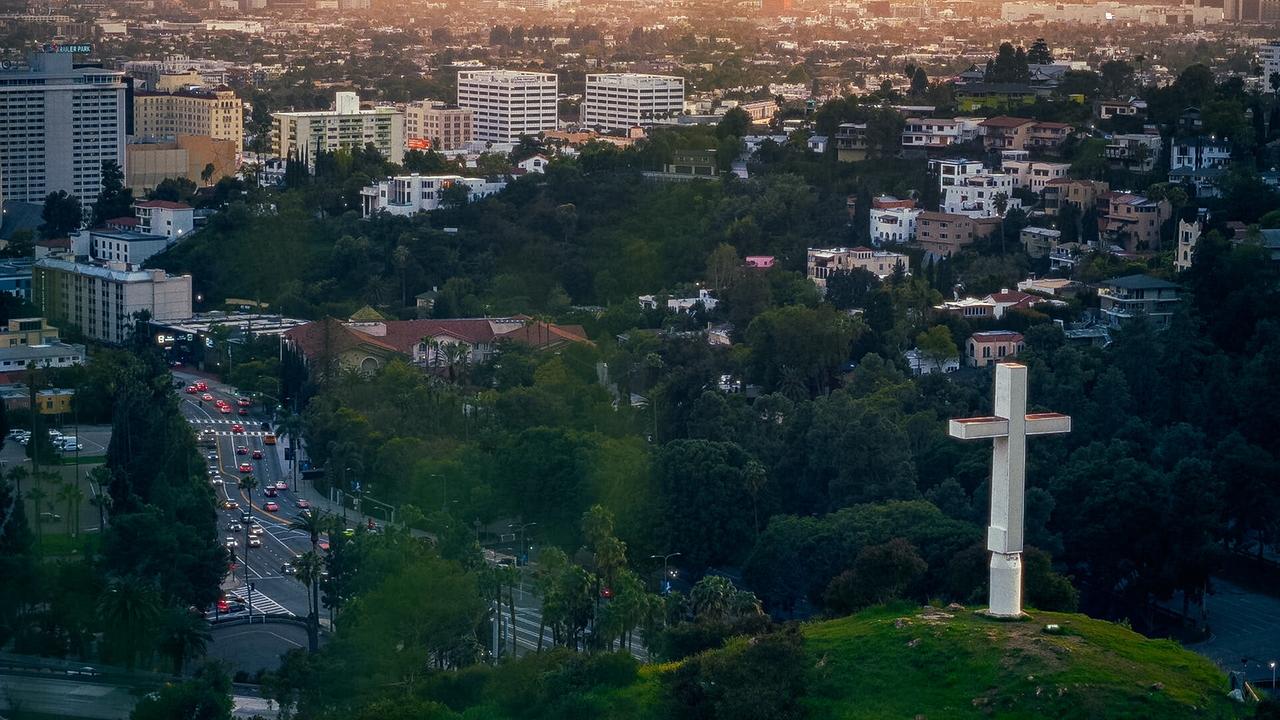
(60, 544)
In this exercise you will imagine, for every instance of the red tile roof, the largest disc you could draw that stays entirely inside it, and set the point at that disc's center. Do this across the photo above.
(311, 339)
(1005, 121)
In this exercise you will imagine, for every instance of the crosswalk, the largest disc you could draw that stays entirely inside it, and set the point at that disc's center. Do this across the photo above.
(222, 428)
(261, 603)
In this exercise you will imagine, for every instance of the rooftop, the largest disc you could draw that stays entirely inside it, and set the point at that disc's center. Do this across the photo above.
(1139, 282)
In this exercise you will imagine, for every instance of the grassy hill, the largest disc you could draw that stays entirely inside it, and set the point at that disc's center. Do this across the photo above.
(910, 662)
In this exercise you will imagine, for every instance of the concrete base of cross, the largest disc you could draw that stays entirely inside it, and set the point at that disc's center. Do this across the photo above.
(1006, 585)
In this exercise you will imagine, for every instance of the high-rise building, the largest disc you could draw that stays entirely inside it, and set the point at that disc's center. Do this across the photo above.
(508, 103)
(302, 134)
(617, 101)
(1269, 54)
(102, 300)
(436, 125)
(58, 123)
(215, 113)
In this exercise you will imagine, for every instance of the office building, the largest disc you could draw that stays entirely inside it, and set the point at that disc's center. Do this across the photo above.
(58, 123)
(215, 113)
(507, 104)
(102, 301)
(430, 124)
(617, 101)
(302, 135)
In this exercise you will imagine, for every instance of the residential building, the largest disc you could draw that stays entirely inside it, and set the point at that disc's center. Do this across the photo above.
(760, 111)
(431, 124)
(979, 195)
(688, 165)
(128, 248)
(1064, 256)
(15, 277)
(985, 349)
(54, 401)
(618, 101)
(1005, 133)
(167, 219)
(1269, 55)
(58, 124)
(412, 194)
(923, 365)
(302, 135)
(533, 164)
(975, 96)
(851, 142)
(942, 234)
(27, 331)
(1007, 300)
(953, 171)
(1119, 107)
(1132, 222)
(760, 262)
(822, 263)
(938, 133)
(703, 299)
(48, 355)
(1054, 287)
(1188, 237)
(968, 308)
(1124, 298)
(1048, 136)
(1135, 152)
(892, 220)
(1038, 241)
(102, 301)
(1031, 174)
(215, 113)
(1199, 163)
(147, 164)
(1081, 193)
(507, 104)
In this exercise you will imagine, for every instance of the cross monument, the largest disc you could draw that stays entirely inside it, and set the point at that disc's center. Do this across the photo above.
(1008, 428)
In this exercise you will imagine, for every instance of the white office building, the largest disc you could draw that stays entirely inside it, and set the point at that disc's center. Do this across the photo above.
(411, 194)
(58, 124)
(302, 135)
(617, 101)
(102, 301)
(507, 104)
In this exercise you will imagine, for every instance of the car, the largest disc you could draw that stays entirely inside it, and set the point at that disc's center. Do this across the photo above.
(256, 529)
(245, 468)
(191, 390)
(211, 456)
(323, 545)
(244, 402)
(255, 541)
(206, 397)
(257, 455)
(268, 439)
(269, 491)
(202, 385)
(234, 526)
(230, 505)
(224, 409)
(243, 412)
(231, 542)
(246, 518)
(237, 428)
(349, 532)
(282, 485)
(242, 450)
(271, 506)
(304, 503)
(288, 569)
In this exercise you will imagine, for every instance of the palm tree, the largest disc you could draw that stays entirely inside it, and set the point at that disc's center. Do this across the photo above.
(1001, 203)
(184, 635)
(35, 495)
(291, 426)
(313, 523)
(101, 477)
(71, 494)
(128, 610)
(17, 475)
(712, 598)
(248, 484)
(310, 569)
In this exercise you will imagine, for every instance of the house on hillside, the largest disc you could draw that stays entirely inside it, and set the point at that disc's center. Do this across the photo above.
(1124, 298)
(985, 349)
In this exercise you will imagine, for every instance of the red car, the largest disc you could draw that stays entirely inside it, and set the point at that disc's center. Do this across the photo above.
(237, 428)
(191, 390)
(282, 485)
(257, 454)
(243, 412)
(202, 386)
(245, 468)
(304, 503)
(271, 506)
(224, 409)
(206, 397)
(242, 450)
(244, 402)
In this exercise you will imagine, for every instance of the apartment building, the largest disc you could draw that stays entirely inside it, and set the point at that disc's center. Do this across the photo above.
(618, 101)
(27, 331)
(979, 195)
(167, 219)
(1135, 152)
(1124, 298)
(1199, 163)
(215, 113)
(1039, 241)
(302, 135)
(411, 194)
(1132, 222)
(102, 301)
(1012, 133)
(1081, 193)
(58, 124)
(822, 263)
(953, 171)
(851, 142)
(942, 234)
(507, 104)
(938, 133)
(1031, 174)
(436, 125)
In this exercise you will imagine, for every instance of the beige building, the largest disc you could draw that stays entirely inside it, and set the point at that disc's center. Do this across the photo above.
(27, 331)
(822, 263)
(944, 234)
(215, 113)
(347, 126)
(1132, 221)
(436, 125)
(102, 300)
(1188, 236)
(1081, 193)
(1038, 241)
(984, 349)
(187, 156)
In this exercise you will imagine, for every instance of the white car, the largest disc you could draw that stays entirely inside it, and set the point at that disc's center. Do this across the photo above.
(256, 529)
(255, 541)
(231, 542)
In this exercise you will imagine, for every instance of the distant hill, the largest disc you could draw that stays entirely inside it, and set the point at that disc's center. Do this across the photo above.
(935, 663)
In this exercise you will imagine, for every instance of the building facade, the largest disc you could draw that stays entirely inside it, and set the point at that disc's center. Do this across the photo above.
(1031, 174)
(102, 301)
(617, 101)
(1122, 299)
(58, 124)
(979, 195)
(893, 225)
(302, 135)
(953, 171)
(822, 263)
(167, 219)
(215, 113)
(147, 164)
(938, 133)
(1132, 222)
(985, 349)
(436, 125)
(943, 234)
(411, 194)
(28, 331)
(507, 104)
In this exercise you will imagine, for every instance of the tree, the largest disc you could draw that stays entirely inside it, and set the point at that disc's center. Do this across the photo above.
(184, 635)
(174, 190)
(1117, 77)
(880, 573)
(207, 696)
(704, 500)
(722, 266)
(129, 609)
(849, 289)
(919, 82)
(206, 175)
(1001, 203)
(1039, 53)
(114, 200)
(62, 214)
(310, 571)
(735, 124)
(937, 345)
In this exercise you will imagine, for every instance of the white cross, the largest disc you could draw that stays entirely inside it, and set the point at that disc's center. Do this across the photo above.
(1009, 428)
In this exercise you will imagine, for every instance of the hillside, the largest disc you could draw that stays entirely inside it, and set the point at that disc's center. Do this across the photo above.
(907, 662)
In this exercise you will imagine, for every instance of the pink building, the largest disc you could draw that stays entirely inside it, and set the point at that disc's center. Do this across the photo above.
(760, 262)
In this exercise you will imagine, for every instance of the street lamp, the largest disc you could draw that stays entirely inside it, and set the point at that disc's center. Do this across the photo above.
(666, 574)
(1273, 676)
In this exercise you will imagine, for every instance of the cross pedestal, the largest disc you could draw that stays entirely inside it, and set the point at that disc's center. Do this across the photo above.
(1008, 428)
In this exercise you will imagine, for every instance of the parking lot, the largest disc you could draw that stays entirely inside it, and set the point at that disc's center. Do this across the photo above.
(52, 514)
